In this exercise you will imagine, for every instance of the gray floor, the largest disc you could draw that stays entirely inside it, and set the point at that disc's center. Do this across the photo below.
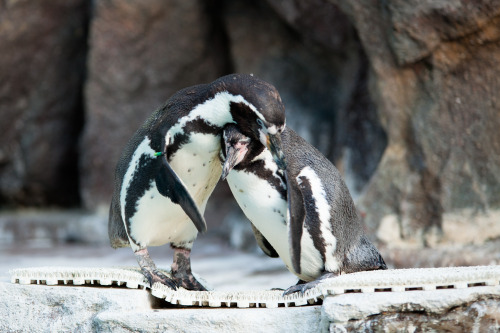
(222, 267)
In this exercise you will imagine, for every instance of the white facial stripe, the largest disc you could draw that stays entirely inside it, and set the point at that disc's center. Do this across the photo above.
(263, 137)
(273, 130)
(214, 111)
(143, 149)
(323, 210)
(254, 109)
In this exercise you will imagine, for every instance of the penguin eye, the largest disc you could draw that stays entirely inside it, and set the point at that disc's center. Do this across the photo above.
(260, 122)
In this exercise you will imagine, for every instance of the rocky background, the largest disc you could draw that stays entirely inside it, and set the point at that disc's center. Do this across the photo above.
(402, 96)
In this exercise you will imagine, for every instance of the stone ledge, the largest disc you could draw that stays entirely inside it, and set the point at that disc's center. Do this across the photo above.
(41, 308)
(35, 308)
(465, 310)
(298, 319)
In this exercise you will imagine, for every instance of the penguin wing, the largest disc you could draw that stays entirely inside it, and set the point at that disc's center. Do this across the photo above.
(297, 215)
(171, 186)
(264, 244)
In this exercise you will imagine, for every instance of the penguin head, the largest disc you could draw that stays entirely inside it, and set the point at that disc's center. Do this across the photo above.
(270, 137)
(363, 256)
(260, 113)
(235, 146)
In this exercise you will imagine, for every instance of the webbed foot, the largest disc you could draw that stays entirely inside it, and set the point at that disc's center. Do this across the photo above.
(188, 281)
(157, 276)
(303, 286)
(181, 270)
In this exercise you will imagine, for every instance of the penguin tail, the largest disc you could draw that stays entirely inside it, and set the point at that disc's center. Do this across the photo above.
(116, 228)
(363, 257)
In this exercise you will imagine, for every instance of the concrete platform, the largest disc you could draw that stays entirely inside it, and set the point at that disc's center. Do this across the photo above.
(35, 308)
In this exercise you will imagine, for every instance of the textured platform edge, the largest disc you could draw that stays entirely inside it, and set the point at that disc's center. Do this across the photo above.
(398, 280)
(235, 299)
(129, 277)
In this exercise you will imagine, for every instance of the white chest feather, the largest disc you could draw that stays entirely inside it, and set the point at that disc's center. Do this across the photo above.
(264, 207)
(157, 220)
(198, 166)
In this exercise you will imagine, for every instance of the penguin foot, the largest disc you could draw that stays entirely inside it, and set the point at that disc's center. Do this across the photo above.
(150, 271)
(181, 270)
(187, 281)
(156, 276)
(303, 286)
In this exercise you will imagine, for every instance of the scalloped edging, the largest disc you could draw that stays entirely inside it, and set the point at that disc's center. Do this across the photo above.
(397, 280)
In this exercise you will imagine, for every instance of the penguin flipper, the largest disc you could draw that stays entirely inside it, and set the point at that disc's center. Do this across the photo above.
(297, 215)
(264, 244)
(172, 187)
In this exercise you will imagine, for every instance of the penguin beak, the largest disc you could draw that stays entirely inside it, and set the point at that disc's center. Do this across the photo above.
(273, 143)
(234, 155)
(230, 162)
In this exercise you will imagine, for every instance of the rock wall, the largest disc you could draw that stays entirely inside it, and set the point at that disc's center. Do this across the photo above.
(321, 77)
(42, 66)
(140, 54)
(400, 95)
(435, 68)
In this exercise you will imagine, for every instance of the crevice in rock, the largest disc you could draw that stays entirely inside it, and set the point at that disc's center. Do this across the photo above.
(364, 137)
(78, 122)
(42, 101)
(219, 35)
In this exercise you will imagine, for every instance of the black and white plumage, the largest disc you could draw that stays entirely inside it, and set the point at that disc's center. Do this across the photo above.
(171, 165)
(322, 234)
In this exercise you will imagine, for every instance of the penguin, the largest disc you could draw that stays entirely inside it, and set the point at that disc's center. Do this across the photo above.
(170, 166)
(304, 214)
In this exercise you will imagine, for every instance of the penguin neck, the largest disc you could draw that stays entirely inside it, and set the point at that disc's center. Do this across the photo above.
(260, 162)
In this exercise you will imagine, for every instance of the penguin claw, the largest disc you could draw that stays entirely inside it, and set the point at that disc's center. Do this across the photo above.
(157, 276)
(301, 288)
(188, 281)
